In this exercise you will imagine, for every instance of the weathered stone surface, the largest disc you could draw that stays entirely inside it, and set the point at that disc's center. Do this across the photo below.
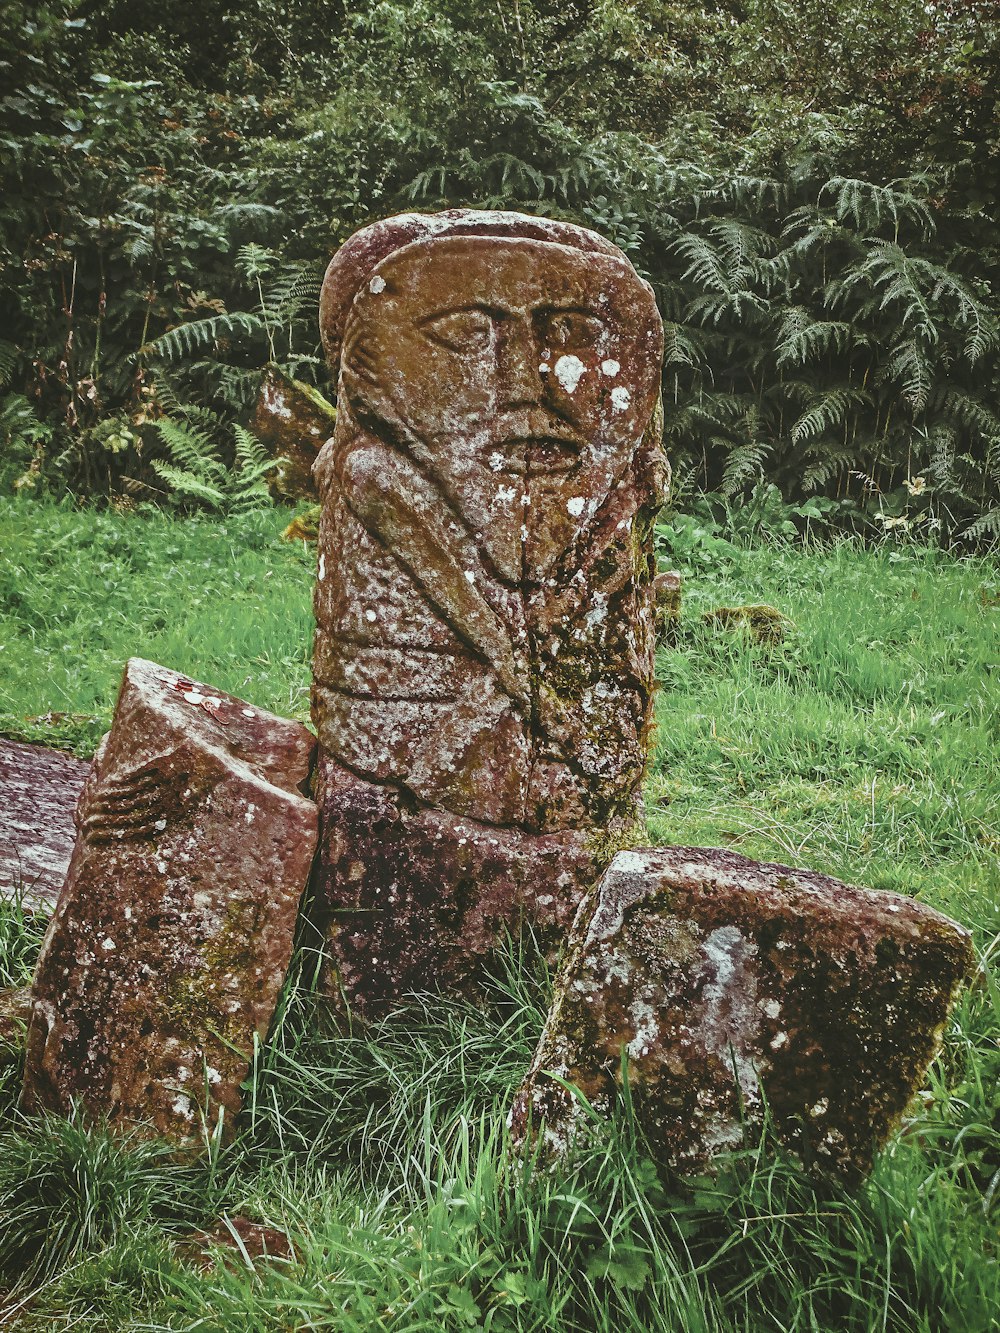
(484, 602)
(764, 623)
(667, 591)
(235, 1239)
(734, 985)
(423, 895)
(39, 790)
(292, 422)
(15, 1009)
(173, 932)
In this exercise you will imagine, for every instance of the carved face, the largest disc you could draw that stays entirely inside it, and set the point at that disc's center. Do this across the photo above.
(519, 374)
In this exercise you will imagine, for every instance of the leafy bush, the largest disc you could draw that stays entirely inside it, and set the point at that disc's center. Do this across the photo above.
(812, 193)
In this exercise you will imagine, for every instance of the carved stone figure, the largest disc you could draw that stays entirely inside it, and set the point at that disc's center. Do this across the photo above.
(173, 932)
(483, 662)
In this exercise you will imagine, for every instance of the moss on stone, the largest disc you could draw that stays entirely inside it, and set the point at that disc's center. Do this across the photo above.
(764, 623)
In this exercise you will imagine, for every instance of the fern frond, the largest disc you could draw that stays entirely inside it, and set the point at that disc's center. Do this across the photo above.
(681, 347)
(255, 261)
(8, 362)
(870, 205)
(744, 464)
(971, 412)
(985, 524)
(910, 368)
(187, 484)
(185, 339)
(802, 338)
(192, 450)
(826, 411)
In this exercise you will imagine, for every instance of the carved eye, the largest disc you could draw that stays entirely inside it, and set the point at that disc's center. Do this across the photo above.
(461, 330)
(572, 329)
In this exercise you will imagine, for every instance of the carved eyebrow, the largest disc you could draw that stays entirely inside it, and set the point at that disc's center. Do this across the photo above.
(474, 307)
(587, 311)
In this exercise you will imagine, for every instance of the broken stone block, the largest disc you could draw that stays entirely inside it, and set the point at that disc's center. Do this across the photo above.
(484, 601)
(732, 987)
(165, 955)
(39, 789)
(292, 422)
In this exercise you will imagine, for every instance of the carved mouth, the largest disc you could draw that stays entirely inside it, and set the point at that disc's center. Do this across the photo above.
(538, 455)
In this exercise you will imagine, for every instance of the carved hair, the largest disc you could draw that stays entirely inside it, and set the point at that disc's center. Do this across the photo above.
(356, 260)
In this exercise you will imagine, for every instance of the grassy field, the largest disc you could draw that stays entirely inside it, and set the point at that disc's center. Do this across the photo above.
(862, 745)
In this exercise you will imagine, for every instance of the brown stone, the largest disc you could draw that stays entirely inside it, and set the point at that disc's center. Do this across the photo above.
(765, 624)
(15, 1009)
(733, 986)
(172, 936)
(39, 789)
(235, 1239)
(292, 421)
(484, 604)
(423, 895)
(667, 592)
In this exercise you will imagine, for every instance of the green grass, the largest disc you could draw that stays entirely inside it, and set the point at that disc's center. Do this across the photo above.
(223, 600)
(863, 746)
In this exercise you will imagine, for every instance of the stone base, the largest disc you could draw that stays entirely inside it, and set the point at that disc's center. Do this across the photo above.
(414, 900)
(734, 990)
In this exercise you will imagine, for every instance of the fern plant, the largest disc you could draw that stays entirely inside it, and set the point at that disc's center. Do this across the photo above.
(194, 471)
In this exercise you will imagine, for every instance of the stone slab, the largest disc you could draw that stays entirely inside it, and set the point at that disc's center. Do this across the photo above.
(39, 789)
(732, 985)
(165, 955)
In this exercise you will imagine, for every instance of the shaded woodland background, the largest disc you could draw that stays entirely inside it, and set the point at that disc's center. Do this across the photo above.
(812, 188)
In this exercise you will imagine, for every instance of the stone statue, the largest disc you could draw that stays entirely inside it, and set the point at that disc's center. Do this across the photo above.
(483, 662)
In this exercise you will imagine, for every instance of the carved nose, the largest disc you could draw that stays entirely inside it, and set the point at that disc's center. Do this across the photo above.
(520, 378)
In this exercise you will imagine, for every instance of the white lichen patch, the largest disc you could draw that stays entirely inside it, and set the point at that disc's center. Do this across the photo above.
(322, 567)
(108, 944)
(647, 1028)
(470, 575)
(371, 616)
(182, 1106)
(575, 505)
(620, 398)
(729, 1017)
(377, 284)
(569, 371)
(629, 863)
(598, 613)
(610, 367)
(495, 460)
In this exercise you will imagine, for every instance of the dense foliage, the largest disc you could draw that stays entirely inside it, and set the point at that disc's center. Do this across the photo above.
(812, 189)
